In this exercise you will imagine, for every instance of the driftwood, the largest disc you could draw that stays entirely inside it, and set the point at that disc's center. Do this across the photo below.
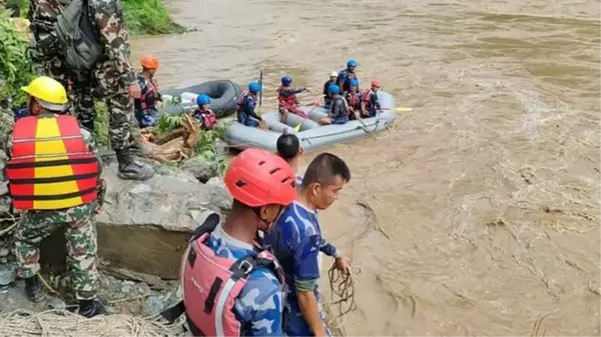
(176, 146)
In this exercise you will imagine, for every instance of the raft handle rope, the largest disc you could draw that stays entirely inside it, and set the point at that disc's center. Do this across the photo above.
(343, 288)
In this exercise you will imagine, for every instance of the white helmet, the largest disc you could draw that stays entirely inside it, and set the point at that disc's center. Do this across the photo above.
(333, 74)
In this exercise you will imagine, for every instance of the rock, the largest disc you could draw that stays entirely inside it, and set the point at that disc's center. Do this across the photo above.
(155, 304)
(56, 303)
(145, 225)
(199, 168)
(153, 281)
(8, 273)
(216, 181)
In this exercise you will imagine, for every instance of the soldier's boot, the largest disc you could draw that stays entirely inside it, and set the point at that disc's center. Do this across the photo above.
(131, 169)
(34, 289)
(90, 308)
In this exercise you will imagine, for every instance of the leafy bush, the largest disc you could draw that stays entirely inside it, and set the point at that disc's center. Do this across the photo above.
(149, 17)
(15, 66)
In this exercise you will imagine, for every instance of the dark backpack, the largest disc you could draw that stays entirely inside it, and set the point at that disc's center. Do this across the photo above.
(79, 38)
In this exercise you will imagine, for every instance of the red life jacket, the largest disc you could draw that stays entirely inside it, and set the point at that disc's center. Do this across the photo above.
(51, 165)
(211, 283)
(353, 99)
(150, 94)
(209, 119)
(288, 102)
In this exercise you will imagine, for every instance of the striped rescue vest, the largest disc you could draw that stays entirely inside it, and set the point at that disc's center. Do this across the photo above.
(51, 165)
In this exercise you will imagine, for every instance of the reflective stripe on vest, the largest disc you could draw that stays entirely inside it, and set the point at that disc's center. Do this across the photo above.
(288, 102)
(51, 166)
(211, 285)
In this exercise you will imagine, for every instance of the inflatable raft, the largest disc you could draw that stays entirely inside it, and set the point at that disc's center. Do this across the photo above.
(311, 135)
(223, 95)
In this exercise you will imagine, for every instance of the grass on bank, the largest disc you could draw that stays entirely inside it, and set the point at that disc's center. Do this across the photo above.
(144, 17)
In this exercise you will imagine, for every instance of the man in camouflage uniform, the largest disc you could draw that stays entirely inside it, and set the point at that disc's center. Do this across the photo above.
(78, 221)
(112, 77)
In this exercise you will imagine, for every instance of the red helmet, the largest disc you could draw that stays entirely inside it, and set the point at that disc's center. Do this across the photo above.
(376, 83)
(258, 178)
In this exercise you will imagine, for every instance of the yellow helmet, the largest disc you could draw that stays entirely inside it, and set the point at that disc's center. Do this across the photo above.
(50, 93)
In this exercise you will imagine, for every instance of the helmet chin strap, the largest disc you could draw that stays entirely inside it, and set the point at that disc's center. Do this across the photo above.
(257, 211)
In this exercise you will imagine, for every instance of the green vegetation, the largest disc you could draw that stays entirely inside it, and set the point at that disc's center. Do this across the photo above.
(149, 17)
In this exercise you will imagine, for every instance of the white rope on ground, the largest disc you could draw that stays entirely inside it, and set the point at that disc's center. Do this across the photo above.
(22, 323)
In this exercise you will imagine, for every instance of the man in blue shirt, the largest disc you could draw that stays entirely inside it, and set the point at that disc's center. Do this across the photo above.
(296, 241)
(245, 107)
(291, 151)
(262, 185)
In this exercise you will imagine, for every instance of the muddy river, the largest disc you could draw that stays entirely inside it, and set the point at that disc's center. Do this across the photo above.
(478, 212)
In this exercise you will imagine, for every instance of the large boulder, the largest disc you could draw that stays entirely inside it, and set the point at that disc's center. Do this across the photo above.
(200, 168)
(145, 225)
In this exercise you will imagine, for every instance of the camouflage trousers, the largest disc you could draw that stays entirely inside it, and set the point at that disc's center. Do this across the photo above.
(82, 247)
(101, 83)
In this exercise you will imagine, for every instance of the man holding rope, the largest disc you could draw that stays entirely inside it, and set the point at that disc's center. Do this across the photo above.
(297, 240)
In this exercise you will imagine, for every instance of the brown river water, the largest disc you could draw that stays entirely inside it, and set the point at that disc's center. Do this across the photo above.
(478, 212)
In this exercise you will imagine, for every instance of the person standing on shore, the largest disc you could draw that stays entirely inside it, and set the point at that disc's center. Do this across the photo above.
(87, 42)
(296, 241)
(55, 179)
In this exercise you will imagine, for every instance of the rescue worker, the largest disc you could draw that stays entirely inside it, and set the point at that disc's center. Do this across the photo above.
(55, 179)
(94, 54)
(287, 100)
(204, 114)
(297, 239)
(346, 75)
(339, 110)
(370, 104)
(326, 85)
(245, 107)
(353, 99)
(232, 286)
(289, 148)
(145, 107)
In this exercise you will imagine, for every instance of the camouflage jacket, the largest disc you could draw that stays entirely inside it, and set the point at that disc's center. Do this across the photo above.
(89, 139)
(107, 15)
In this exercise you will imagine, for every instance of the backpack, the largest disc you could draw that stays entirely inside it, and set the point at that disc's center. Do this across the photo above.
(78, 36)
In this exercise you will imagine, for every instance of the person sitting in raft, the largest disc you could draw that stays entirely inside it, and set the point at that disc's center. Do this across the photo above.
(245, 107)
(287, 101)
(353, 99)
(296, 240)
(232, 285)
(290, 150)
(339, 111)
(370, 104)
(204, 114)
(326, 96)
(145, 107)
(345, 76)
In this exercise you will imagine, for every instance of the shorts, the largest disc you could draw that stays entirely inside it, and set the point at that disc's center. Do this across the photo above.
(340, 120)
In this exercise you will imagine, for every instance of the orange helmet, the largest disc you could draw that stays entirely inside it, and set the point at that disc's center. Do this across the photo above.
(149, 62)
(376, 83)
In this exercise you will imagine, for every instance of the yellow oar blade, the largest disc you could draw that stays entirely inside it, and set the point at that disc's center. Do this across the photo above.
(297, 128)
(401, 109)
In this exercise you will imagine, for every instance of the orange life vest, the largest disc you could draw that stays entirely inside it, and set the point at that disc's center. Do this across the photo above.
(51, 165)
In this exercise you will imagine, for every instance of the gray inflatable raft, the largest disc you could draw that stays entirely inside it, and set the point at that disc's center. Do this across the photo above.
(311, 135)
(223, 95)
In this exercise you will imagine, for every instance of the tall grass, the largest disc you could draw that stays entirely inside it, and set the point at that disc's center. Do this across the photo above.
(149, 17)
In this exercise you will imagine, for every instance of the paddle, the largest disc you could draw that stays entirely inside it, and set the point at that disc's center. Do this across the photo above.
(398, 109)
(297, 128)
(261, 91)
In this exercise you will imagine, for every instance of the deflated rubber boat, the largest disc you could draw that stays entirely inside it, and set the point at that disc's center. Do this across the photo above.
(311, 135)
(223, 95)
